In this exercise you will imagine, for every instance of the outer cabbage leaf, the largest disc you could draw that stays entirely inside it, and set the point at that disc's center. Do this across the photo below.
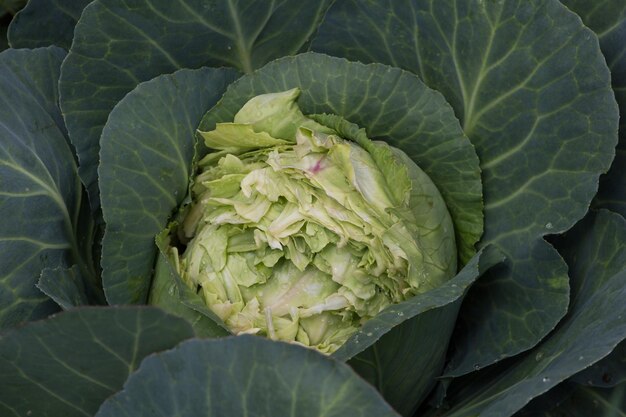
(11, 7)
(593, 327)
(4, 44)
(46, 22)
(586, 401)
(120, 43)
(145, 161)
(70, 363)
(607, 18)
(245, 376)
(40, 193)
(64, 285)
(532, 91)
(598, 390)
(606, 373)
(8, 8)
(573, 400)
(600, 402)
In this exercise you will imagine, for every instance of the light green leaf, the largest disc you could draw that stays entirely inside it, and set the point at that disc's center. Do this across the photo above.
(70, 363)
(40, 193)
(395, 173)
(277, 114)
(405, 179)
(245, 376)
(238, 136)
(46, 22)
(145, 163)
(532, 90)
(172, 295)
(120, 43)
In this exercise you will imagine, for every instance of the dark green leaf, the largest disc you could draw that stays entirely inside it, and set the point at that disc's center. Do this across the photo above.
(40, 193)
(607, 18)
(607, 373)
(392, 105)
(543, 405)
(593, 327)
(596, 402)
(4, 26)
(45, 23)
(69, 286)
(244, 376)
(612, 193)
(11, 6)
(120, 43)
(64, 285)
(145, 162)
(532, 90)
(69, 364)
(595, 251)
(513, 304)
(584, 402)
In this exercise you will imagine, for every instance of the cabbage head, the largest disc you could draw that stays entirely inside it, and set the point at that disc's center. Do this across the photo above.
(297, 233)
